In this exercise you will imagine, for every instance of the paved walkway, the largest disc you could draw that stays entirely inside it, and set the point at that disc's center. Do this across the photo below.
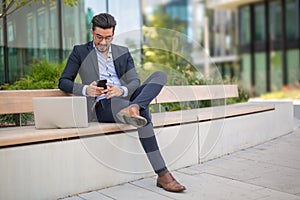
(270, 171)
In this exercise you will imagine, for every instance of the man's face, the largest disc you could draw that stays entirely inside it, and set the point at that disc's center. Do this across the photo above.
(102, 38)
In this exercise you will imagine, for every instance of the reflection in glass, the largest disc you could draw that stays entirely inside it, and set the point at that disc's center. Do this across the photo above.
(2, 74)
(292, 19)
(246, 70)
(275, 20)
(293, 61)
(260, 72)
(245, 32)
(260, 24)
(276, 70)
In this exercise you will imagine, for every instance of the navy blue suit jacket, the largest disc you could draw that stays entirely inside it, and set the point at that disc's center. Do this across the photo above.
(83, 61)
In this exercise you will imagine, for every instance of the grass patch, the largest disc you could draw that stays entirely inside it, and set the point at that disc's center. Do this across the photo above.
(285, 93)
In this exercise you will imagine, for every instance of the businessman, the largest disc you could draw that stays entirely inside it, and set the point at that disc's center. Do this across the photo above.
(122, 99)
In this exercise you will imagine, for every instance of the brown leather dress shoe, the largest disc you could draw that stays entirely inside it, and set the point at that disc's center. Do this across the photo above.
(169, 183)
(131, 115)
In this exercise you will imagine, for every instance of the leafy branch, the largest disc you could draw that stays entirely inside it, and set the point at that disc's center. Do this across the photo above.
(10, 6)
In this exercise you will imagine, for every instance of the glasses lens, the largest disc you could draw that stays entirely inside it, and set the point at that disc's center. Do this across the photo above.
(108, 39)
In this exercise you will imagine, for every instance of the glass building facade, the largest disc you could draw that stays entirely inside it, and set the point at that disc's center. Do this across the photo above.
(258, 44)
(45, 31)
(269, 45)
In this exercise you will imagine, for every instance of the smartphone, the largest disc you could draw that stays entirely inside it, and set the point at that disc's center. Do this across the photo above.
(102, 83)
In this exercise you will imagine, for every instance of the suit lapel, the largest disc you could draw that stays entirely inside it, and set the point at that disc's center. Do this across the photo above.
(94, 59)
(115, 56)
(89, 70)
(95, 62)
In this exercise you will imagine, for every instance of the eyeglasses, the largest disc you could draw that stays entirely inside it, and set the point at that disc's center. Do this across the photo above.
(107, 39)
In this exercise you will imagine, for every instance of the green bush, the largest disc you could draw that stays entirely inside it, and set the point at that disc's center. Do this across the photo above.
(42, 75)
(16, 119)
(243, 97)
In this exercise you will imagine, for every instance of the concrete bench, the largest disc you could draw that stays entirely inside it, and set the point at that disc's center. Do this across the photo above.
(20, 101)
(62, 162)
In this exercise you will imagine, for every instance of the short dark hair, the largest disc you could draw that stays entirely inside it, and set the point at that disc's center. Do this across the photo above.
(104, 21)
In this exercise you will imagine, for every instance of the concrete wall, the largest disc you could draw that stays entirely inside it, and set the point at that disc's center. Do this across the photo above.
(58, 169)
(220, 137)
(297, 109)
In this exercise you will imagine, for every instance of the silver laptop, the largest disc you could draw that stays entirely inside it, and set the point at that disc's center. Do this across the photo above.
(60, 112)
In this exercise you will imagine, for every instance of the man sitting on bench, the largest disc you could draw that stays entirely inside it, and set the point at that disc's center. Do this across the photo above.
(122, 98)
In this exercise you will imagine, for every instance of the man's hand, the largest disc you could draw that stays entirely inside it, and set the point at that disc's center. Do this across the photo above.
(94, 91)
(113, 91)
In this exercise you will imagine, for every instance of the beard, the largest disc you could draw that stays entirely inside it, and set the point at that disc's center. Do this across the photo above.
(102, 47)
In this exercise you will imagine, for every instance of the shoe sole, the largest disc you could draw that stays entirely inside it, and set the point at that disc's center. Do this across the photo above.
(137, 122)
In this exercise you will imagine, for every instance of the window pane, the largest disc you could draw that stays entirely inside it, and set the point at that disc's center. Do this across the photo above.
(227, 70)
(128, 30)
(260, 25)
(127, 19)
(275, 20)
(32, 34)
(15, 72)
(276, 70)
(76, 22)
(91, 8)
(2, 75)
(292, 19)
(1, 32)
(260, 73)
(246, 71)
(74, 25)
(293, 62)
(245, 26)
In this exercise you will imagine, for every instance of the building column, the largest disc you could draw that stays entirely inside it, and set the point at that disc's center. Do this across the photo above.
(5, 44)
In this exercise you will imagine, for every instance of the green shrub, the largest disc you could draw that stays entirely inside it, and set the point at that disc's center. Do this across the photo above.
(42, 75)
(16, 119)
(243, 96)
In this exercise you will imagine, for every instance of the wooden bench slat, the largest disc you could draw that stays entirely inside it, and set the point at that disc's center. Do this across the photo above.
(196, 92)
(174, 117)
(20, 101)
(29, 134)
(23, 135)
(209, 113)
(233, 110)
